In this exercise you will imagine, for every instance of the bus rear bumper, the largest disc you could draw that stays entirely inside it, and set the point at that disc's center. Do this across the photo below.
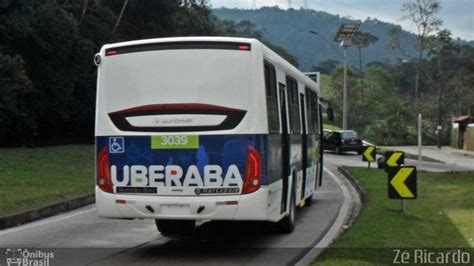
(232, 207)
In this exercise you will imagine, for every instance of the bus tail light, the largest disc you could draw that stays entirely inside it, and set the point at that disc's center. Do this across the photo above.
(253, 166)
(111, 52)
(104, 180)
(244, 47)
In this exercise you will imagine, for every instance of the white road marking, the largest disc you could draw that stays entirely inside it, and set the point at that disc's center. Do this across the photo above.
(43, 222)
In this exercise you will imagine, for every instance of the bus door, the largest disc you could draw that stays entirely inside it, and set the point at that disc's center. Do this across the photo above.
(320, 146)
(304, 145)
(285, 148)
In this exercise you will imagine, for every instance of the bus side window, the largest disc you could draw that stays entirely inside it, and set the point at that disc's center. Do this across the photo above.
(315, 113)
(309, 114)
(272, 103)
(294, 111)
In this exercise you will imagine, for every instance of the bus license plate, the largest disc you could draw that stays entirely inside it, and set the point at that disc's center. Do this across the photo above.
(175, 142)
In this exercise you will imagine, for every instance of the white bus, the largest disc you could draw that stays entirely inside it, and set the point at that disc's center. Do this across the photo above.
(204, 128)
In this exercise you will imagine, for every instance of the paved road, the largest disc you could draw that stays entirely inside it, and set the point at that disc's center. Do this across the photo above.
(80, 237)
(353, 159)
(453, 157)
(83, 238)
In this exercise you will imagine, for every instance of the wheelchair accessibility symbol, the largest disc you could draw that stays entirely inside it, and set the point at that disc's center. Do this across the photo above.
(116, 145)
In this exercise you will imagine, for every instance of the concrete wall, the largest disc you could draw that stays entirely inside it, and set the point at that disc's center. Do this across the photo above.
(470, 135)
(455, 135)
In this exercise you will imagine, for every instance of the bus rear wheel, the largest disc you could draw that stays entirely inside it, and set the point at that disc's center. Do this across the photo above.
(176, 227)
(287, 224)
(308, 201)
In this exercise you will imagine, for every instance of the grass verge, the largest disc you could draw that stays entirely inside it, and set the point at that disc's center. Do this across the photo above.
(331, 127)
(442, 217)
(33, 178)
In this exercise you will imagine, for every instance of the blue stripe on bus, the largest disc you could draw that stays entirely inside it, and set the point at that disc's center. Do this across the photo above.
(222, 150)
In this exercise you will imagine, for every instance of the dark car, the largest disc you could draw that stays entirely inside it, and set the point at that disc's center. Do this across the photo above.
(381, 163)
(342, 140)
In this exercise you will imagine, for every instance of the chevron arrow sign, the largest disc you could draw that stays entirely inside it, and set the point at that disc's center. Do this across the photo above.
(402, 182)
(394, 158)
(368, 155)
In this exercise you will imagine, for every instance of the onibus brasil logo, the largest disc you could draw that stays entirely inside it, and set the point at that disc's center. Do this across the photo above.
(23, 257)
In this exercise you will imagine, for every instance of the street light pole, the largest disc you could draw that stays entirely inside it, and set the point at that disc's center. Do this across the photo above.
(344, 94)
(344, 90)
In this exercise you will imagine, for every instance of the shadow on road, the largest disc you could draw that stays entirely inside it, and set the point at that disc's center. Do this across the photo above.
(215, 243)
(347, 153)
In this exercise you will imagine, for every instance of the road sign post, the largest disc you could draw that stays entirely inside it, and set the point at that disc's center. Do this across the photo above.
(402, 184)
(420, 125)
(368, 154)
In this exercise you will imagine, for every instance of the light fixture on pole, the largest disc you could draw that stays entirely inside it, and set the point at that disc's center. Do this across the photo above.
(327, 41)
(344, 35)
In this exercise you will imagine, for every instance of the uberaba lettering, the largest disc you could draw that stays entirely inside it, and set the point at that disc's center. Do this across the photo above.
(170, 175)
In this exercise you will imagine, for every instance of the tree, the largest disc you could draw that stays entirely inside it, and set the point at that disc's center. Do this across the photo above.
(459, 86)
(362, 40)
(119, 18)
(16, 112)
(326, 66)
(47, 76)
(375, 108)
(422, 13)
(440, 45)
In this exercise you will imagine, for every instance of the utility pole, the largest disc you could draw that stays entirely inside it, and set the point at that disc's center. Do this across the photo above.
(417, 78)
(439, 128)
(344, 93)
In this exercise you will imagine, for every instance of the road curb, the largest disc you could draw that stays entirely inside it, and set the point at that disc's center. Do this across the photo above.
(44, 212)
(348, 213)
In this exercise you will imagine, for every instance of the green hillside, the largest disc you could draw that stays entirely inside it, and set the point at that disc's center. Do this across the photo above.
(289, 29)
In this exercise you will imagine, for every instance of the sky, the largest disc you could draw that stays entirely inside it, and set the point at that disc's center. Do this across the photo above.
(457, 15)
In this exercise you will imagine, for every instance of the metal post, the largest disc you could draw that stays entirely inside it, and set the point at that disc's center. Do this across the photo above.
(402, 205)
(369, 164)
(417, 77)
(438, 135)
(419, 139)
(344, 94)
